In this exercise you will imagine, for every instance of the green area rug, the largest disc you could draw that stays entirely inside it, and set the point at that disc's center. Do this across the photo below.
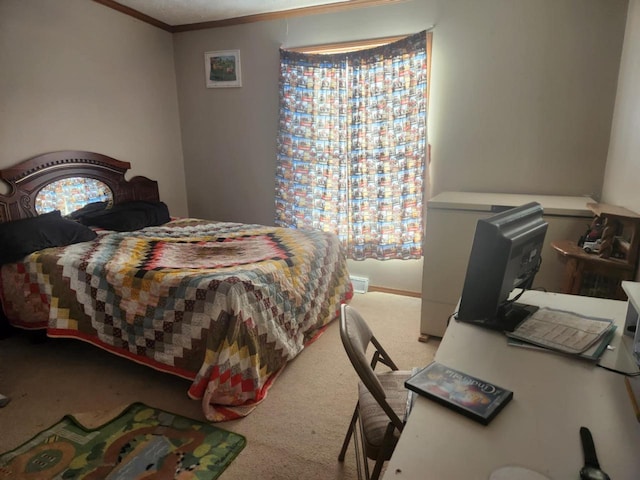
(140, 442)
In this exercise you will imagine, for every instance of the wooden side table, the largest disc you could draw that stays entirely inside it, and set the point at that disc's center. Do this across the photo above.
(601, 274)
(580, 263)
(621, 234)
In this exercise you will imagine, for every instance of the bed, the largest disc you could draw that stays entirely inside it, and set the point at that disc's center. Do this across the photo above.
(225, 305)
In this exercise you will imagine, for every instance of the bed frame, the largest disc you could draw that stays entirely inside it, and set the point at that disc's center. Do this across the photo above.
(28, 177)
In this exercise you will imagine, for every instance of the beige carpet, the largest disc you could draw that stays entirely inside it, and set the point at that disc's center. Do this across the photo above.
(296, 433)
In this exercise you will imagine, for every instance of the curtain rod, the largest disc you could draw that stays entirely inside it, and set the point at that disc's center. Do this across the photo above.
(372, 42)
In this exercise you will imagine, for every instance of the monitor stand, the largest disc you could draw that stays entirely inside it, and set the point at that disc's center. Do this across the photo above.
(515, 314)
(508, 317)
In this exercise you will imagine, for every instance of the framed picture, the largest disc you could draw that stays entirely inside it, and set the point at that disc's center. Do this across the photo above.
(222, 69)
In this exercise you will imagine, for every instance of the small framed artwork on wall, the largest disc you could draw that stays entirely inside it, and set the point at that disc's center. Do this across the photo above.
(222, 69)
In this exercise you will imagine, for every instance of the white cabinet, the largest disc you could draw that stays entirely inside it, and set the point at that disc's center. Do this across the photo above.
(450, 227)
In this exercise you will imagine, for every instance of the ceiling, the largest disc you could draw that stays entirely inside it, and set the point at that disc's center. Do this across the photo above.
(182, 15)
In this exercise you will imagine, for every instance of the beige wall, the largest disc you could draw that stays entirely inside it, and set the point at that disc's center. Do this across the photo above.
(622, 175)
(521, 101)
(75, 75)
(522, 98)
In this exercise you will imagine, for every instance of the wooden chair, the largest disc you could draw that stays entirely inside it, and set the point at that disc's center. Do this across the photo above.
(383, 400)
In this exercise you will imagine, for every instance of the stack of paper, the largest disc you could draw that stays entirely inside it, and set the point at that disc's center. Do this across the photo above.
(565, 332)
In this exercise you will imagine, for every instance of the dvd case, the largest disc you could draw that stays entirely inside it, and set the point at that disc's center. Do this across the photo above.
(471, 396)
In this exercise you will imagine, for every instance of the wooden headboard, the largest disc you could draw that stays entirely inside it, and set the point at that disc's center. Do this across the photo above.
(28, 177)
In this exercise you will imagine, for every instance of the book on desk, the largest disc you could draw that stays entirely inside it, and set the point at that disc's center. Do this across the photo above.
(473, 397)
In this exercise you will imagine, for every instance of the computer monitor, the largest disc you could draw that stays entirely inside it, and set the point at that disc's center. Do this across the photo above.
(506, 254)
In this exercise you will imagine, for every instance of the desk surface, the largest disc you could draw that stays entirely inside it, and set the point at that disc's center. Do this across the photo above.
(539, 429)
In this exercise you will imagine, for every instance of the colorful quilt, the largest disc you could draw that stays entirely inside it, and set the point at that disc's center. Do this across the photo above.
(225, 305)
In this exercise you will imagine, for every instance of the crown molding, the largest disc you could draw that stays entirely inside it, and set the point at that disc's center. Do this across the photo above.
(296, 12)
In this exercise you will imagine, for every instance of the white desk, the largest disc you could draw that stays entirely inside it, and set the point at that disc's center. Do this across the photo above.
(539, 429)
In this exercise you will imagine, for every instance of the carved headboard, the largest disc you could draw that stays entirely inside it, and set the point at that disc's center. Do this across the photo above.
(29, 177)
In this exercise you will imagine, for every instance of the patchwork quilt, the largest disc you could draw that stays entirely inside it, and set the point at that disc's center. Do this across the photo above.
(225, 305)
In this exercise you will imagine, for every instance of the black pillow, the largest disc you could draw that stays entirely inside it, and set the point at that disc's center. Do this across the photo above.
(128, 216)
(88, 209)
(22, 237)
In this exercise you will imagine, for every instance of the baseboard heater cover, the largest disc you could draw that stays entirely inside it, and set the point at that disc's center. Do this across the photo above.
(360, 284)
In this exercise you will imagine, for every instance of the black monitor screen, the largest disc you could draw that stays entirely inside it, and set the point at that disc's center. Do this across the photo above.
(506, 254)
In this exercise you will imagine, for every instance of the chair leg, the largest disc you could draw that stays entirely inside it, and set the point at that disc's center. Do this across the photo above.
(347, 438)
(384, 453)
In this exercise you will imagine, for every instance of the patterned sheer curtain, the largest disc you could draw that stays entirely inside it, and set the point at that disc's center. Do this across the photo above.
(352, 146)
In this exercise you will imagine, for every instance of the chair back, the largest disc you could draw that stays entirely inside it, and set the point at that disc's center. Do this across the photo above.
(356, 337)
(382, 397)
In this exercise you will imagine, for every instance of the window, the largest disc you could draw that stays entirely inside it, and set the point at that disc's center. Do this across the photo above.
(352, 146)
